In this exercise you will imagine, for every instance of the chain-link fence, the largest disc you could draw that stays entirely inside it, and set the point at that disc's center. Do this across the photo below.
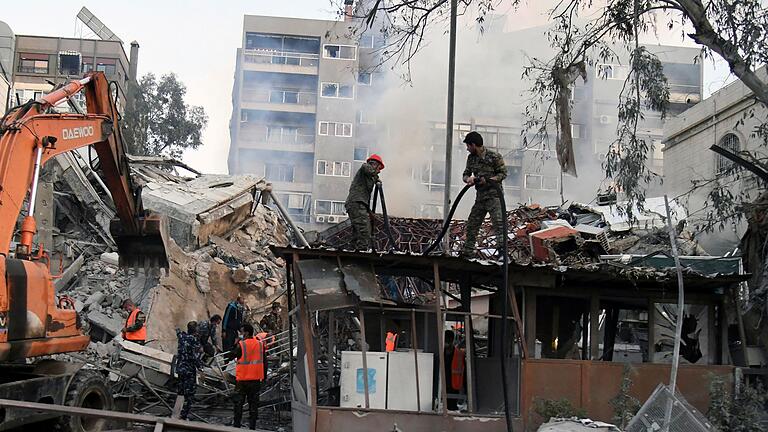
(684, 417)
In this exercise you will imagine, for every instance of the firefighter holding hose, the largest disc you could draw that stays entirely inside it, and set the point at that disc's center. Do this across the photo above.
(359, 199)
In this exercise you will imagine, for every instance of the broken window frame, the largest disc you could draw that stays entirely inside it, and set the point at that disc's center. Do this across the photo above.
(67, 56)
(730, 141)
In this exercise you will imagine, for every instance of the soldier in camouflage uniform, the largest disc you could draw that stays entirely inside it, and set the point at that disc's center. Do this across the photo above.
(359, 199)
(483, 167)
(272, 322)
(187, 363)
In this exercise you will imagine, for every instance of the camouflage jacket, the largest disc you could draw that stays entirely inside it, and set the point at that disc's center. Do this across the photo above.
(489, 165)
(362, 185)
(272, 323)
(188, 354)
(206, 332)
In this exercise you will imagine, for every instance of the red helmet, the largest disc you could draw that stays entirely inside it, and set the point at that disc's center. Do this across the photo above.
(377, 158)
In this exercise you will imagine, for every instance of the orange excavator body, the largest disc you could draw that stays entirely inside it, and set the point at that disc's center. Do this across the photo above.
(33, 320)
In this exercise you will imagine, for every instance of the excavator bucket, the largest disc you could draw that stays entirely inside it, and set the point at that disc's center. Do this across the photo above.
(145, 249)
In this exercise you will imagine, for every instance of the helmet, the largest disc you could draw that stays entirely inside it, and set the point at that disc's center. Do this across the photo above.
(377, 158)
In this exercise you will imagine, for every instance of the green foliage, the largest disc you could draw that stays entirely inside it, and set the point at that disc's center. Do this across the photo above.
(159, 122)
(625, 406)
(549, 408)
(740, 413)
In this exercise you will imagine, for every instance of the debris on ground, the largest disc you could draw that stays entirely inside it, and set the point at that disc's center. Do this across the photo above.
(218, 249)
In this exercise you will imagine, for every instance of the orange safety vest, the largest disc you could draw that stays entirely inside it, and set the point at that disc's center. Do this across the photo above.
(138, 335)
(250, 365)
(457, 369)
(263, 336)
(391, 341)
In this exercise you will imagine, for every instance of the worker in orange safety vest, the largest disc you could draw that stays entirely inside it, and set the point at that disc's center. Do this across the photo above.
(391, 341)
(454, 368)
(135, 329)
(250, 372)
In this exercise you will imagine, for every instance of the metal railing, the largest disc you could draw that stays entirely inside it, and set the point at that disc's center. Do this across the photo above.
(263, 56)
(280, 96)
(272, 136)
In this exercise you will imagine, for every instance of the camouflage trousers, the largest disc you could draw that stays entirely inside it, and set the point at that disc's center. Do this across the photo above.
(483, 205)
(186, 387)
(361, 225)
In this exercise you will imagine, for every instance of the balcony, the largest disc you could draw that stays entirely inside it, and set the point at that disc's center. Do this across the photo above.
(279, 99)
(276, 138)
(280, 61)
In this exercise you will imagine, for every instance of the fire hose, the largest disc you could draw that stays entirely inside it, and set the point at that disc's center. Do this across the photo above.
(504, 283)
(503, 289)
(378, 191)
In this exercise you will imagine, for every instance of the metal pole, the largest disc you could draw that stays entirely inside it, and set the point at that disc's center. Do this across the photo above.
(35, 180)
(680, 312)
(287, 217)
(449, 116)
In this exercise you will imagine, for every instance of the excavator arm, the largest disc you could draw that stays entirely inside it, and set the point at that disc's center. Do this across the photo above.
(33, 322)
(30, 138)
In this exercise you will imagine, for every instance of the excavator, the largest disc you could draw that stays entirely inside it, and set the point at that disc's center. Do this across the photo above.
(34, 320)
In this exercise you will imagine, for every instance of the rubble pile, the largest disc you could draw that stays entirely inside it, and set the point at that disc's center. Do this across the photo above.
(577, 235)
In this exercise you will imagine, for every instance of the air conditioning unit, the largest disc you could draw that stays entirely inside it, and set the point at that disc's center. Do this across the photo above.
(333, 219)
(320, 219)
(602, 156)
(604, 119)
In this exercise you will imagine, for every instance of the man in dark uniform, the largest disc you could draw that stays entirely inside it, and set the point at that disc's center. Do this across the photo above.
(359, 199)
(206, 331)
(484, 167)
(187, 364)
(233, 319)
(272, 322)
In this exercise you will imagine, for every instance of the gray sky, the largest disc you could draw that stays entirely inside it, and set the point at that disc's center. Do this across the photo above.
(196, 39)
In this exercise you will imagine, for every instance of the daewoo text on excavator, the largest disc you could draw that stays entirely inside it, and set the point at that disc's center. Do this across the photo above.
(34, 321)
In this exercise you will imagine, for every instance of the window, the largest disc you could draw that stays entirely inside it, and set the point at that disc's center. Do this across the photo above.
(612, 72)
(69, 63)
(106, 65)
(278, 172)
(329, 90)
(328, 207)
(24, 95)
(343, 130)
(335, 129)
(532, 181)
(575, 131)
(364, 78)
(729, 142)
(344, 52)
(336, 90)
(296, 201)
(333, 168)
(366, 41)
(33, 63)
(541, 182)
(365, 118)
(361, 154)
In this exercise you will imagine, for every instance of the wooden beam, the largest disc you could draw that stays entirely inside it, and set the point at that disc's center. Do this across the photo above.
(518, 322)
(364, 351)
(175, 424)
(440, 339)
(309, 348)
(176, 413)
(594, 326)
(530, 320)
(415, 348)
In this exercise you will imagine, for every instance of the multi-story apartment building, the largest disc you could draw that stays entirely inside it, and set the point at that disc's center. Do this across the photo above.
(308, 108)
(294, 114)
(492, 99)
(39, 60)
